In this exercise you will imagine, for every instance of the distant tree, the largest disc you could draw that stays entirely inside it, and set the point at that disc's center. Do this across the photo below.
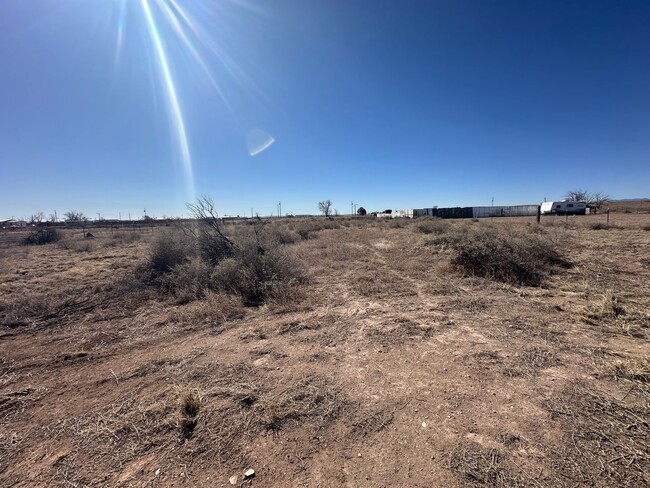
(37, 218)
(577, 195)
(73, 216)
(361, 211)
(325, 207)
(388, 211)
(51, 218)
(598, 199)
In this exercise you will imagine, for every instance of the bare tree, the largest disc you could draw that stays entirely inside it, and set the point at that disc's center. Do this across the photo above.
(73, 216)
(578, 195)
(595, 199)
(37, 218)
(213, 243)
(598, 199)
(325, 207)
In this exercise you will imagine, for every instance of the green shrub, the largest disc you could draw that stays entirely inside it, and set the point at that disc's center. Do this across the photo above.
(42, 235)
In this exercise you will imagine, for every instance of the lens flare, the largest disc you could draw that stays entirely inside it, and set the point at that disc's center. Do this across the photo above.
(180, 32)
(120, 34)
(258, 141)
(172, 98)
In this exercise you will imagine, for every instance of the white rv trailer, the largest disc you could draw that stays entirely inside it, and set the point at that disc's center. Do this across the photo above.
(564, 207)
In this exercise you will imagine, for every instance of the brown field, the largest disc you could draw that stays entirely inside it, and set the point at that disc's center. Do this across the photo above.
(388, 366)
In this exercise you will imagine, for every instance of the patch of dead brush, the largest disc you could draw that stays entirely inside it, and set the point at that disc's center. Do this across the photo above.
(532, 361)
(476, 465)
(606, 441)
(313, 398)
(367, 423)
(398, 331)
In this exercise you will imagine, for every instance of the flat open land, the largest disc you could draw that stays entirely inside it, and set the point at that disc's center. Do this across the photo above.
(386, 366)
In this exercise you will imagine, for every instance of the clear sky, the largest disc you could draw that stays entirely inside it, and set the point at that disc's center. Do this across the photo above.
(120, 105)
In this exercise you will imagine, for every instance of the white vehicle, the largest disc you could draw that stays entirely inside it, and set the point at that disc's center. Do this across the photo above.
(564, 207)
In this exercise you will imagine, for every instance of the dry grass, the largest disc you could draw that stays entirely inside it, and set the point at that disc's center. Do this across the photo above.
(608, 310)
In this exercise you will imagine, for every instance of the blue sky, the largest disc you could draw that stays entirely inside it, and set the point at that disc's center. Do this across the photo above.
(387, 104)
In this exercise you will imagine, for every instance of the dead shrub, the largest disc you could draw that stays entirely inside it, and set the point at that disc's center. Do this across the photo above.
(42, 235)
(281, 235)
(511, 257)
(187, 281)
(257, 274)
(168, 250)
(431, 225)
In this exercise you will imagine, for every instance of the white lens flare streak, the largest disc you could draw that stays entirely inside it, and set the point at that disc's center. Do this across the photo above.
(172, 98)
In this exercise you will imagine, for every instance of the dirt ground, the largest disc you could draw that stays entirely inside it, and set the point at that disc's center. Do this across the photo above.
(388, 368)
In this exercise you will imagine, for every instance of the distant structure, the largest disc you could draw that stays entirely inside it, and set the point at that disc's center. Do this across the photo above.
(12, 224)
(467, 212)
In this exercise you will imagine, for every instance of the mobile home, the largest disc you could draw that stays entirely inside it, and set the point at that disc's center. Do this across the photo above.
(564, 207)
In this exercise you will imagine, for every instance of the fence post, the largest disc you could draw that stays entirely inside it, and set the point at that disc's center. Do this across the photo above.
(608, 216)
(539, 213)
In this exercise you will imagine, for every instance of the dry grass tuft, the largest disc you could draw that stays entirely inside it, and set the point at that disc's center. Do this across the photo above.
(189, 405)
(608, 309)
(633, 369)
